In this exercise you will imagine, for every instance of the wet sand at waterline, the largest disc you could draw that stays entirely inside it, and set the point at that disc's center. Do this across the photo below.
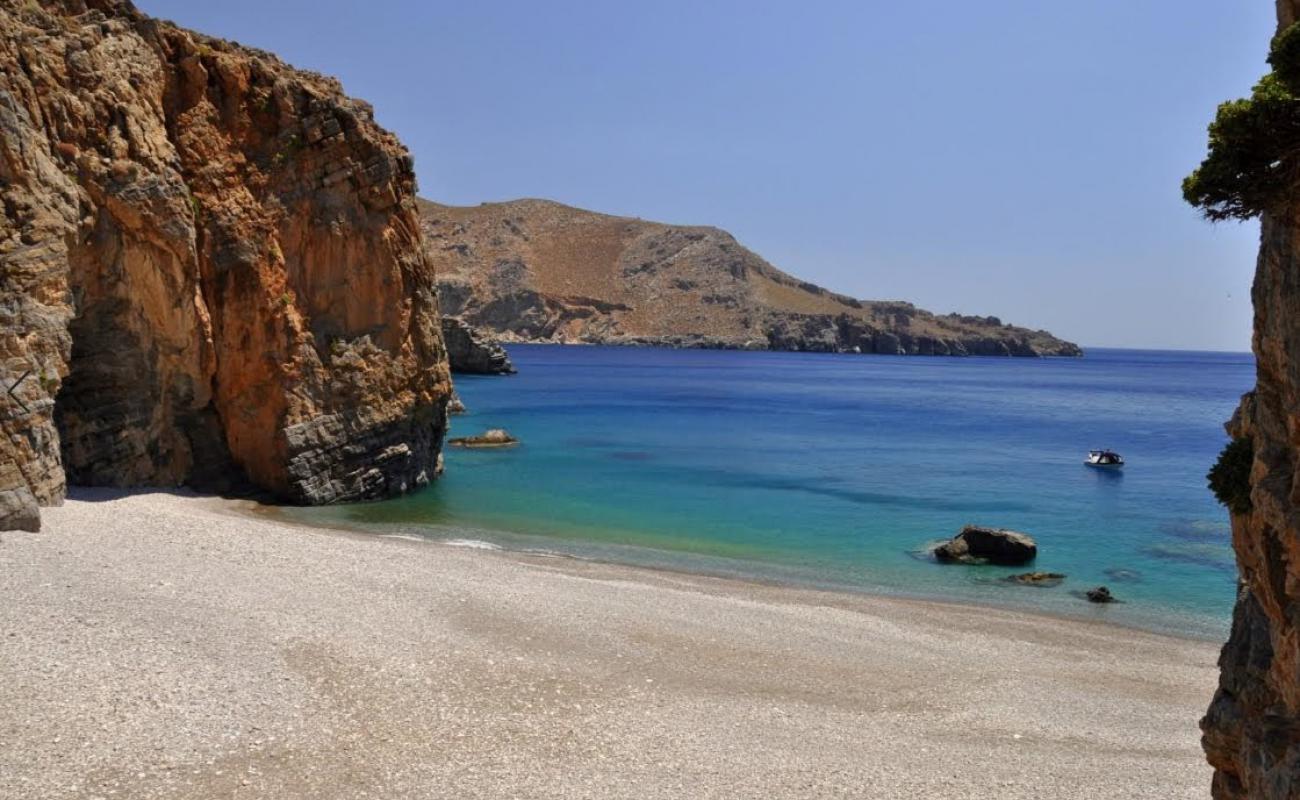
(162, 645)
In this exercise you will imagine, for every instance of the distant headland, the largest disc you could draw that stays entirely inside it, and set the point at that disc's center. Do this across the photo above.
(540, 271)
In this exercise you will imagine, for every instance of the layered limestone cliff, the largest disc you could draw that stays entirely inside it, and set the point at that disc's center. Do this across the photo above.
(1252, 728)
(533, 270)
(211, 270)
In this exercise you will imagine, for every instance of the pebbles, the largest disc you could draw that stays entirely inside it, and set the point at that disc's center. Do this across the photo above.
(290, 662)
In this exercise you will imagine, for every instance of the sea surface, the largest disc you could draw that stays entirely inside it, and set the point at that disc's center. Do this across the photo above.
(838, 470)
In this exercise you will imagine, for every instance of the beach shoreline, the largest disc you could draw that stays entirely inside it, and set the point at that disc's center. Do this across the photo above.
(168, 645)
(1087, 613)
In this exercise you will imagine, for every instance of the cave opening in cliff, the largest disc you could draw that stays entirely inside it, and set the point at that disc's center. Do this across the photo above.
(134, 408)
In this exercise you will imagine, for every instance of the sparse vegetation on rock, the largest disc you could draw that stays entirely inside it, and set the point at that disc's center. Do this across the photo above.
(1229, 478)
(1254, 143)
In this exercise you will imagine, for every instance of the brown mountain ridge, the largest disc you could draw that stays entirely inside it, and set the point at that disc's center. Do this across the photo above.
(540, 271)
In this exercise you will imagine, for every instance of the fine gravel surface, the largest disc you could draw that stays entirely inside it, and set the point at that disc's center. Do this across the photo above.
(160, 645)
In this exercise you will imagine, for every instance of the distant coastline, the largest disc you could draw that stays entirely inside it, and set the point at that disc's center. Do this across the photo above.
(536, 271)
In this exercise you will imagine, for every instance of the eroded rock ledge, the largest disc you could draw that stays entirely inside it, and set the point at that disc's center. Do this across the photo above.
(472, 351)
(210, 270)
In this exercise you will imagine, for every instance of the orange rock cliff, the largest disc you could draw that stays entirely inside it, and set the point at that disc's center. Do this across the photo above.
(211, 271)
(1252, 728)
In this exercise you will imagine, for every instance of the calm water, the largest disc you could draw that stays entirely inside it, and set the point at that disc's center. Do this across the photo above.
(836, 470)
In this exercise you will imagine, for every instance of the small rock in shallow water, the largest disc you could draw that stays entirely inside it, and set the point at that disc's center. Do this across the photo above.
(979, 545)
(1100, 595)
(493, 438)
(1041, 579)
(1124, 575)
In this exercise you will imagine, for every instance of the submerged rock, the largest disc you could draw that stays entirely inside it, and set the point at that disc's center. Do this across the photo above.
(1044, 580)
(1124, 575)
(1100, 595)
(980, 545)
(470, 350)
(496, 437)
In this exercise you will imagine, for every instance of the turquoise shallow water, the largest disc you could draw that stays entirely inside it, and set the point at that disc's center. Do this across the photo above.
(835, 470)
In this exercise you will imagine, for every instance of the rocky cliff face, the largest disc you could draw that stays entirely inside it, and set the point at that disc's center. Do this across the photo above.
(470, 351)
(1252, 728)
(210, 266)
(533, 270)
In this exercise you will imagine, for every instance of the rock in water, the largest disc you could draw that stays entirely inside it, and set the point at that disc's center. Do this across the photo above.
(493, 438)
(979, 545)
(1041, 579)
(471, 350)
(212, 270)
(1100, 595)
(1123, 575)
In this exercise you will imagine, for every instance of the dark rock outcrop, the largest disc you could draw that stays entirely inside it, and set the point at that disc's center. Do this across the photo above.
(1099, 594)
(211, 270)
(470, 350)
(980, 545)
(846, 333)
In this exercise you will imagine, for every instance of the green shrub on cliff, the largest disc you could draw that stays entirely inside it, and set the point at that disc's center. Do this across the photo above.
(1230, 476)
(1284, 58)
(1254, 158)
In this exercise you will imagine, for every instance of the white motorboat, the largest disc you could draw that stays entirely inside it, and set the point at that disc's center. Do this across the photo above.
(1104, 459)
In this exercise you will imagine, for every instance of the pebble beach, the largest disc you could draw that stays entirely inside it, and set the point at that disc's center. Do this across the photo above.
(160, 645)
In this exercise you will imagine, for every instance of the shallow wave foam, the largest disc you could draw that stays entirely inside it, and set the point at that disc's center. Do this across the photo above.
(476, 544)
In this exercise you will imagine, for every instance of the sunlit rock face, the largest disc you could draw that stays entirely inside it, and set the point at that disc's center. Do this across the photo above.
(211, 271)
(1252, 728)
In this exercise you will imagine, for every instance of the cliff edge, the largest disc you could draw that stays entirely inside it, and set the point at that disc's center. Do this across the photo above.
(1252, 728)
(535, 270)
(211, 270)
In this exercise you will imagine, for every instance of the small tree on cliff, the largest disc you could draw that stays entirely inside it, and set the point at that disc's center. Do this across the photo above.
(1254, 158)
(1229, 478)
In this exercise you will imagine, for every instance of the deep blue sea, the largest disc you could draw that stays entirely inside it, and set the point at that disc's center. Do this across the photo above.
(838, 470)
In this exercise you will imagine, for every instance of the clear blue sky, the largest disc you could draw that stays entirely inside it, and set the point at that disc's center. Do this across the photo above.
(1012, 157)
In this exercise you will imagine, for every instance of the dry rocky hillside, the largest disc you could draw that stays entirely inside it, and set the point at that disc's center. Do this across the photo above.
(210, 270)
(535, 270)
